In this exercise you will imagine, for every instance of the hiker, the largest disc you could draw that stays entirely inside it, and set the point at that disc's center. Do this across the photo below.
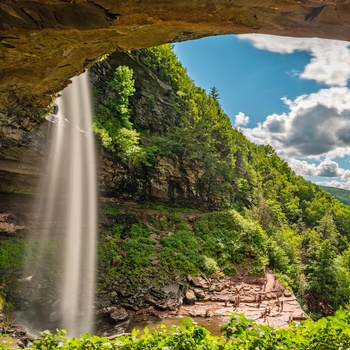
(265, 315)
(278, 304)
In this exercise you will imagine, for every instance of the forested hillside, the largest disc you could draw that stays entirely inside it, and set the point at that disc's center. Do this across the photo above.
(289, 224)
(186, 197)
(341, 194)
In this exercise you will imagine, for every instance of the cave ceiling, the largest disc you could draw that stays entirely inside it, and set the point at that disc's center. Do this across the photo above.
(45, 43)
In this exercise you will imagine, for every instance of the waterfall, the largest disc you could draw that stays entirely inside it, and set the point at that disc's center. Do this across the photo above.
(68, 218)
(78, 287)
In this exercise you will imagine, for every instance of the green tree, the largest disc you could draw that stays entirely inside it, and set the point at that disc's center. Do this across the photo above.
(322, 278)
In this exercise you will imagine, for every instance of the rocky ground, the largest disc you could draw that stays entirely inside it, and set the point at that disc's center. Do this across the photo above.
(263, 300)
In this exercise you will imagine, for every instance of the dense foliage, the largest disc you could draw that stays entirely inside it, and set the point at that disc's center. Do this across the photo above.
(214, 243)
(240, 333)
(112, 123)
(341, 194)
(278, 218)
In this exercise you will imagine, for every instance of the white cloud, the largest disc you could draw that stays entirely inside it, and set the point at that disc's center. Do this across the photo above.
(317, 125)
(335, 183)
(329, 62)
(327, 168)
(241, 119)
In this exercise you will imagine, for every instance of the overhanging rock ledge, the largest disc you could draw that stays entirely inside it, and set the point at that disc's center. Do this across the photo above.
(45, 43)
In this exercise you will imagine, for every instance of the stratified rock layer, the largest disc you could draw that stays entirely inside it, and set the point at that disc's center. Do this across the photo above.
(45, 43)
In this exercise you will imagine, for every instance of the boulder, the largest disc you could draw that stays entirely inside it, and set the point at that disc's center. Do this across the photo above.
(190, 297)
(248, 299)
(199, 293)
(118, 313)
(287, 293)
(198, 282)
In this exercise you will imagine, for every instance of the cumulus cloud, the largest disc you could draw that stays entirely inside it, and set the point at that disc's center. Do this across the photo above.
(241, 119)
(327, 168)
(335, 183)
(329, 62)
(317, 125)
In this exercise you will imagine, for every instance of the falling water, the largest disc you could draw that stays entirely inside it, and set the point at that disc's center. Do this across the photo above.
(68, 208)
(80, 233)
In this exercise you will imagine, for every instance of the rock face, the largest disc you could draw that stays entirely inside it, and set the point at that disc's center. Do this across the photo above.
(153, 108)
(45, 43)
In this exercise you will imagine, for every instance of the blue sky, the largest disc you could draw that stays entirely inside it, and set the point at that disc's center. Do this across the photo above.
(291, 93)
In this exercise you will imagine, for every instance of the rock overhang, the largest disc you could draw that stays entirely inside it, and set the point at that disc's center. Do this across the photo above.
(43, 44)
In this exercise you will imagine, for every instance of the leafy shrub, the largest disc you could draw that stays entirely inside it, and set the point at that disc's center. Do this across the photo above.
(331, 333)
(179, 251)
(229, 238)
(138, 251)
(210, 266)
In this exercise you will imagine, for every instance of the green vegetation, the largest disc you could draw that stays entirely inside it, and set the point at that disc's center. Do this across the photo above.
(261, 212)
(112, 122)
(339, 193)
(11, 253)
(213, 243)
(256, 213)
(229, 239)
(329, 333)
(17, 252)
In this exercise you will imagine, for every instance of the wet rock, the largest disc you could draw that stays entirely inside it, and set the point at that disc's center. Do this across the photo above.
(130, 306)
(198, 282)
(121, 327)
(171, 289)
(190, 297)
(199, 293)
(161, 307)
(118, 313)
(219, 287)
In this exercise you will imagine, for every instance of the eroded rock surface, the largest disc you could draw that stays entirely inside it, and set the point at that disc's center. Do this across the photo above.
(45, 43)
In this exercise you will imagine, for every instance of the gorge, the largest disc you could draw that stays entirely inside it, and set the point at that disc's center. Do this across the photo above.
(182, 194)
(183, 197)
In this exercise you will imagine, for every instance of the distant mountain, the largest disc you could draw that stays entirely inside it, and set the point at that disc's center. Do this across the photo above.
(339, 193)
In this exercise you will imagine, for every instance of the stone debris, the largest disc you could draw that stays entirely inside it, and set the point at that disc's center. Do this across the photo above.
(262, 299)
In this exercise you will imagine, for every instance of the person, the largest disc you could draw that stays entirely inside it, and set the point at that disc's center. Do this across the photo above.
(264, 284)
(227, 302)
(278, 304)
(281, 308)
